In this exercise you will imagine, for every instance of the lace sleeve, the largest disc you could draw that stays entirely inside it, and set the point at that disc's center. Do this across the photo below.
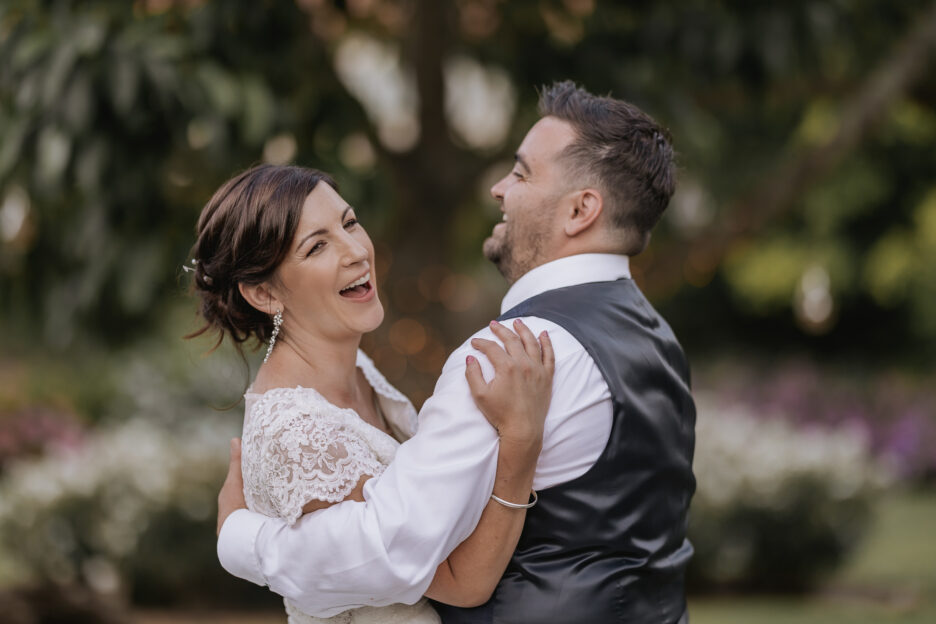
(309, 457)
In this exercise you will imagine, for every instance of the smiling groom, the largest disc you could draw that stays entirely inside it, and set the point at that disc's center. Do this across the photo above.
(606, 541)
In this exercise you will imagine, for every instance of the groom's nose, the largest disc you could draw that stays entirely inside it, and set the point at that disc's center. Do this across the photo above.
(497, 191)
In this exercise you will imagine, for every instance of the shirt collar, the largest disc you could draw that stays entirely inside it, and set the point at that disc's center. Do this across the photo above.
(568, 271)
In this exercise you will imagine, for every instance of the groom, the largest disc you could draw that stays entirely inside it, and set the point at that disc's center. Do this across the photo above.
(606, 540)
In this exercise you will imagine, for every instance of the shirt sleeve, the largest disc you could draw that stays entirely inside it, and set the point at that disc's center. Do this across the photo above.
(386, 549)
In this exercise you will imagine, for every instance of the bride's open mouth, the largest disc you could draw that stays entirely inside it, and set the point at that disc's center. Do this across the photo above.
(358, 289)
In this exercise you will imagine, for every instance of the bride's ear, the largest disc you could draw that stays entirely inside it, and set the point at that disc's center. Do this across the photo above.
(260, 297)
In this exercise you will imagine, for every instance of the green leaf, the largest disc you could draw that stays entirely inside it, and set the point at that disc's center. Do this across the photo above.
(223, 91)
(57, 74)
(856, 189)
(765, 275)
(124, 82)
(31, 47)
(259, 110)
(925, 218)
(53, 151)
(889, 268)
(90, 163)
(141, 275)
(12, 133)
(78, 105)
(819, 124)
(89, 34)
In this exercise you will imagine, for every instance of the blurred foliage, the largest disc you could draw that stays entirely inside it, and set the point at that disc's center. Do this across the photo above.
(777, 508)
(805, 221)
(110, 507)
(35, 430)
(117, 120)
(101, 517)
(891, 410)
(890, 579)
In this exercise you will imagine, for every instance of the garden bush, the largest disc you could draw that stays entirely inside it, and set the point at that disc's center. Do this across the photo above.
(777, 506)
(127, 507)
(129, 514)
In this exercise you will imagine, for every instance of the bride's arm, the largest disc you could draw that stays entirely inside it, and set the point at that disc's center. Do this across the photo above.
(515, 402)
(308, 455)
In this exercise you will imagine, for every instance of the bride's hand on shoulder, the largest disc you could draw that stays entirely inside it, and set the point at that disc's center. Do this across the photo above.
(516, 400)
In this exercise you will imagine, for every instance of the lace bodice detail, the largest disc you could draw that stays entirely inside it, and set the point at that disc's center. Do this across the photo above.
(298, 447)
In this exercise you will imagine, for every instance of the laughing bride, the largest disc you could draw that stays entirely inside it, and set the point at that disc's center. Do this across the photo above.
(280, 257)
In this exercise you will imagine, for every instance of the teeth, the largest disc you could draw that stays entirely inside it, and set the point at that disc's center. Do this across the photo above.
(504, 218)
(358, 282)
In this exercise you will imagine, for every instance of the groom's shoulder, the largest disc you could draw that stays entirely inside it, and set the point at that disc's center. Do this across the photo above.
(564, 344)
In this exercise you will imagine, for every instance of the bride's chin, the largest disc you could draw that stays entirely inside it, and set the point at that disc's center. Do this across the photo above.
(374, 319)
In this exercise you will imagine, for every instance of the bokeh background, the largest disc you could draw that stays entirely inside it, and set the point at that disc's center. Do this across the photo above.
(797, 263)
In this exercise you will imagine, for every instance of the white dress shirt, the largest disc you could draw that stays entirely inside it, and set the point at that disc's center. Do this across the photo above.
(386, 549)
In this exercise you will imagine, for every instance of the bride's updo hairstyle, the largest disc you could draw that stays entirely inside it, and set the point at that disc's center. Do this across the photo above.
(243, 234)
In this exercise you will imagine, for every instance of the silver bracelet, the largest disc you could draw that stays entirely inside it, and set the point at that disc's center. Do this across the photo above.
(517, 505)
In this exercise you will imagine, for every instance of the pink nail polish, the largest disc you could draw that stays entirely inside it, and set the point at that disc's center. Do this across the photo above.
(469, 359)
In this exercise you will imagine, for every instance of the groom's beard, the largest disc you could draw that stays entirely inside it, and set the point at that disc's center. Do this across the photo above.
(516, 250)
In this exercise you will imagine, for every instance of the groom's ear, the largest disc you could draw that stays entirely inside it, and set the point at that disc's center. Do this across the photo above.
(260, 296)
(587, 205)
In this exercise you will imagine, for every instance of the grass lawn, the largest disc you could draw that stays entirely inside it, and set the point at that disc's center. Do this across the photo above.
(891, 579)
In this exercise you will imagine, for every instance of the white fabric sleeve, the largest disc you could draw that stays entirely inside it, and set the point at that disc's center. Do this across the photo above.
(240, 529)
(385, 550)
(313, 457)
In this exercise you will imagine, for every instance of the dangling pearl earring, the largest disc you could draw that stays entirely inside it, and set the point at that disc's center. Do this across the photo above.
(277, 321)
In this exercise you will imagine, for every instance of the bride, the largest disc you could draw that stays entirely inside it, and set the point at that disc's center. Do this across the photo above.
(281, 257)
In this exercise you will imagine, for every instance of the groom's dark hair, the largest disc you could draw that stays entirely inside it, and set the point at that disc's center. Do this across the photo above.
(620, 150)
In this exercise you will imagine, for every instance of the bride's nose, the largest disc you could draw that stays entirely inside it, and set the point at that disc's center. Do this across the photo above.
(354, 251)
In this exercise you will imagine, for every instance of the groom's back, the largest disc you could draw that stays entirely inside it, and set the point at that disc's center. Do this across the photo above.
(610, 545)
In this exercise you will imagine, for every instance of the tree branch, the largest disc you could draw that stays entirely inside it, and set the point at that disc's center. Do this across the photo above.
(796, 172)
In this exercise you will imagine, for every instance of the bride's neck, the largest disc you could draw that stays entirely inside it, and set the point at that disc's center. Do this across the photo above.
(328, 366)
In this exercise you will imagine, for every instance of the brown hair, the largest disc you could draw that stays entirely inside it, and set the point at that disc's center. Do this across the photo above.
(243, 234)
(622, 151)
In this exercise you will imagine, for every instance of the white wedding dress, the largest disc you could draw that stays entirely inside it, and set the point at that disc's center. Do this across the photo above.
(298, 447)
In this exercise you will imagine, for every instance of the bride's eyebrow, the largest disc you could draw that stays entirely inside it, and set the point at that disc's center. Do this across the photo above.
(321, 231)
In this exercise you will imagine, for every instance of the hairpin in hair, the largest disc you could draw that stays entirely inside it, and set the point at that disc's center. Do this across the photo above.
(191, 269)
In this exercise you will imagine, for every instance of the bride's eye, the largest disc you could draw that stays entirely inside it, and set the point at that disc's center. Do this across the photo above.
(350, 223)
(316, 247)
